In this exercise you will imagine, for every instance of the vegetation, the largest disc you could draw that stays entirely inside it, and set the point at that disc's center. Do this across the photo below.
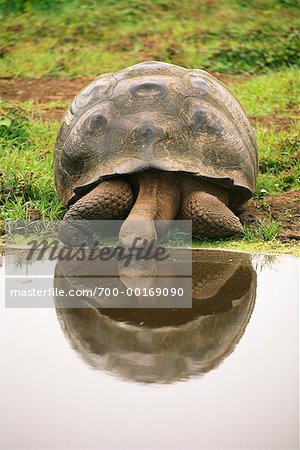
(73, 38)
(279, 163)
(274, 93)
(255, 44)
(26, 182)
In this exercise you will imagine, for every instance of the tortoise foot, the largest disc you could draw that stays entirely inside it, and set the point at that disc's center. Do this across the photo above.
(110, 200)
(210, 216)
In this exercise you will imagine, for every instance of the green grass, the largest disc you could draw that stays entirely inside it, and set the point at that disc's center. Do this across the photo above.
(262, 231)
(26, 178)
(274, 93)
(279, 159)
(75, 38)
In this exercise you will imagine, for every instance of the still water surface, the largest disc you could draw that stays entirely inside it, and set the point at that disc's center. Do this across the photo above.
(224, 374)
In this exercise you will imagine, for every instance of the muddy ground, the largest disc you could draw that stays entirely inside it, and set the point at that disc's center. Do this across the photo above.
(284, 207)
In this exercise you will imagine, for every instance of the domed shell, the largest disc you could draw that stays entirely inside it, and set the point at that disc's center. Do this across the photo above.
(155, 115)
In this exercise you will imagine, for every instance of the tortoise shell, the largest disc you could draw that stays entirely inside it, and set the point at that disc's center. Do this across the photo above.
(155, 115)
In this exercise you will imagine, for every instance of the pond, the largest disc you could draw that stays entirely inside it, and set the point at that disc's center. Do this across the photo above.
(222, 374)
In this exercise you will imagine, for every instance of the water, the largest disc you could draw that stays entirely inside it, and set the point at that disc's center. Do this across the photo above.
(223, 374)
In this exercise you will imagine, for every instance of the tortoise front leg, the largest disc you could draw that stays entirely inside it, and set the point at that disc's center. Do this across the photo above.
(110, 200)
(210, 216)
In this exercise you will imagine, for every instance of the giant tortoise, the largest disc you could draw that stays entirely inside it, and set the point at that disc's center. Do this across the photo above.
(152, 142)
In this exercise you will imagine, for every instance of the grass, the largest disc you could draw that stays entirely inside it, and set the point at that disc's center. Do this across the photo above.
(254, 43)
(75, 38)
(274, 93)
(26, 178)
(279, 162)
(262, 230)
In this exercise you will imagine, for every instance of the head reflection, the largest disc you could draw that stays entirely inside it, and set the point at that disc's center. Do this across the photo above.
(167, 345)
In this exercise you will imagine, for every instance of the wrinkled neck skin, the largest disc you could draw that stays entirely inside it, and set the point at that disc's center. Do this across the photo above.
(159, 197)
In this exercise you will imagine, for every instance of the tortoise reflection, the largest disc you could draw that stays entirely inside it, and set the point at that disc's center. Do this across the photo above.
(168, 345)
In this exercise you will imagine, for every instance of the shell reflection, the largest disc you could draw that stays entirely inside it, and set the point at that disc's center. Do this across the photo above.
(169, 345)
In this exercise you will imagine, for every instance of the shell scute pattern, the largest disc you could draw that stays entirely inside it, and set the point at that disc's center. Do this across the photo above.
(222, 97)
(148, 88)
(97, 91)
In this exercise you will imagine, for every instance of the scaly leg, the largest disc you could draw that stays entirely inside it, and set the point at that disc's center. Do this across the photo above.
(210, 216)
(110, 200)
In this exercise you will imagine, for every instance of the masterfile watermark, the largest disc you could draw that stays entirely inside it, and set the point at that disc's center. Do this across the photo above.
(140, 250)
(99, 272)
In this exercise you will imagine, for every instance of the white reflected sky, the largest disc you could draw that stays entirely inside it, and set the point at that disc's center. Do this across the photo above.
(49, 398)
